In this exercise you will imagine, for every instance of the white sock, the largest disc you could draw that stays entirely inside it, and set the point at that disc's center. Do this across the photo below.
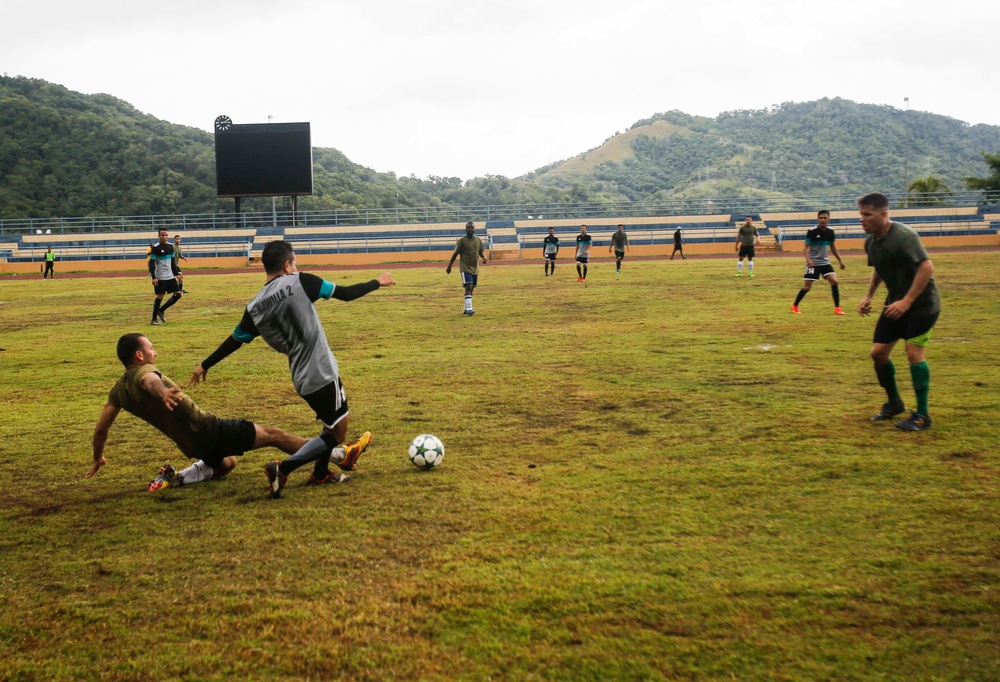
(196, 473)
(739, 266)
(751, 266)
(468, 302)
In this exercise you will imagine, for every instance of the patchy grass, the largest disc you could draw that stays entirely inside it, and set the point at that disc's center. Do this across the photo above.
(657, 475)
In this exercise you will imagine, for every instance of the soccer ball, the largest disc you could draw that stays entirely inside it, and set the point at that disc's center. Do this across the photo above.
(426, 451)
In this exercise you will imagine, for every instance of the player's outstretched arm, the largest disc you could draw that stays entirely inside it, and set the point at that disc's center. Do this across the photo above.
(386, 280)
(225, 349)
(104, 422)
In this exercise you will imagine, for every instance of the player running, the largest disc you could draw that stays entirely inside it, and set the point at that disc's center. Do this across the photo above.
(284, 315)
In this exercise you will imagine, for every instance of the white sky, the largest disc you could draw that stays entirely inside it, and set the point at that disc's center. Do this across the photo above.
(448, 88)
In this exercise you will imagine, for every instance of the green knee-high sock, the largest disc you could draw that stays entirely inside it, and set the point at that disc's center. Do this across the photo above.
(887, 379)
(921, 375)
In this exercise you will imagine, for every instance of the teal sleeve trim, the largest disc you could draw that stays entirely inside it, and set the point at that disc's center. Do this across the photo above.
(326, 290)
(243, 336)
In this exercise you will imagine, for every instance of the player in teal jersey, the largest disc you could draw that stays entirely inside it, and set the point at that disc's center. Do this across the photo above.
(583, 242)
(819, 240)
(550, 249)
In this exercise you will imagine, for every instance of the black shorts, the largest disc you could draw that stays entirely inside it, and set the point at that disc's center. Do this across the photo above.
(550, 256)
(329, 403)
(231, 438)
(914, 329)
(619, 255)
(583, 259)
(166, 286)
(746, 251)
(815, 273)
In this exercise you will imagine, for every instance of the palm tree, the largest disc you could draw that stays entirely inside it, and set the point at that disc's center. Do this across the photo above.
(927, 191)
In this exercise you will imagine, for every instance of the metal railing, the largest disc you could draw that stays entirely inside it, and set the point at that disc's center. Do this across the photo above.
(459, 214)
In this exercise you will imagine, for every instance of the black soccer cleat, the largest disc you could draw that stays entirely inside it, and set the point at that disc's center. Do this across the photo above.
(916, 422)
(889, 410)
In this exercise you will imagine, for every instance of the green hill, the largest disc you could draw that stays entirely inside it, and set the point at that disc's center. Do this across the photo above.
(63, 153)
(823, 147)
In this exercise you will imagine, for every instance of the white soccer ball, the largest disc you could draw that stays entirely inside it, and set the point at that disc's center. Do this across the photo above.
(426, 451)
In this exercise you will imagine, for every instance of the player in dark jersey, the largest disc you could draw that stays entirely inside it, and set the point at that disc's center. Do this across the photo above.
(619, 242)
(747, 238)
(583, 243)
(819, 240)
(469, 251)
(163, 270)
(215, 443)
(550, 249)
(284, 315)
(678, 244)
(912, 306)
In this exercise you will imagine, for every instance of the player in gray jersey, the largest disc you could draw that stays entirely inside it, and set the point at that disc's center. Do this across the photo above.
(163, 270)
(284, 315)
(819, 242)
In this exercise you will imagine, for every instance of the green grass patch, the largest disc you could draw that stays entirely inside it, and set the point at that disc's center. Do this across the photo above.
(657, 475)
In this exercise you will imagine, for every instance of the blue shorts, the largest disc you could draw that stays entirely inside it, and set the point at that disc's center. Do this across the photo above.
(469, 279)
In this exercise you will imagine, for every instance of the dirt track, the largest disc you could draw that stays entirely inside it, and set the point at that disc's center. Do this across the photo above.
(797, 253)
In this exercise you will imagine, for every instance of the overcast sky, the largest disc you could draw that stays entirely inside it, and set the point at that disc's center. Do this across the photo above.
(465, 89)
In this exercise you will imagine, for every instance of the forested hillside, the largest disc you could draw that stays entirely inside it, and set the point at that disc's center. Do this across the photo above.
(822, 147)
(63, 153)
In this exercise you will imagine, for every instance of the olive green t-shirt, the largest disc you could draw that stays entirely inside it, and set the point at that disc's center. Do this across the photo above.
(469, 250)
(619, 240)
(896, 258)
(747, 234)
(190, 427)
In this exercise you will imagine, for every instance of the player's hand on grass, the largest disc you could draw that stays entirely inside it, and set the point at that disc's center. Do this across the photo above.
(98, 463)
(200, 374)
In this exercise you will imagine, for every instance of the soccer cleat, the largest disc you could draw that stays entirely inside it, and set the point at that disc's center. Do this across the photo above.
(889, 410)
(751, 274)
(739, 274)
(618, 272)
(916, 422)
(795, 309)
(275, 479)
(354, 450)
(579, 279)
(839, 311)
(156, 321)
(331, 477)
(165, 479)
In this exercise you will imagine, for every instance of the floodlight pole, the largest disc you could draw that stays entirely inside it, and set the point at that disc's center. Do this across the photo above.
(906, 154)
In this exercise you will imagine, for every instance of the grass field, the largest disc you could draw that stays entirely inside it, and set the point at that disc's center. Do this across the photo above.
(657, 475)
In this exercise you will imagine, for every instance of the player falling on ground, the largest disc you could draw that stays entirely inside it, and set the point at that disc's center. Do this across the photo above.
(470, 249)
(912, 306)
(583, 243)
(284, 315)
(163, 270)
(152, 397)
(550, 249)
(746, 239)
(820, 240)
(619, 242)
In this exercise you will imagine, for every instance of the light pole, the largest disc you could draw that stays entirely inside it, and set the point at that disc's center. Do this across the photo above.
(274, 209)
(906, 154)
